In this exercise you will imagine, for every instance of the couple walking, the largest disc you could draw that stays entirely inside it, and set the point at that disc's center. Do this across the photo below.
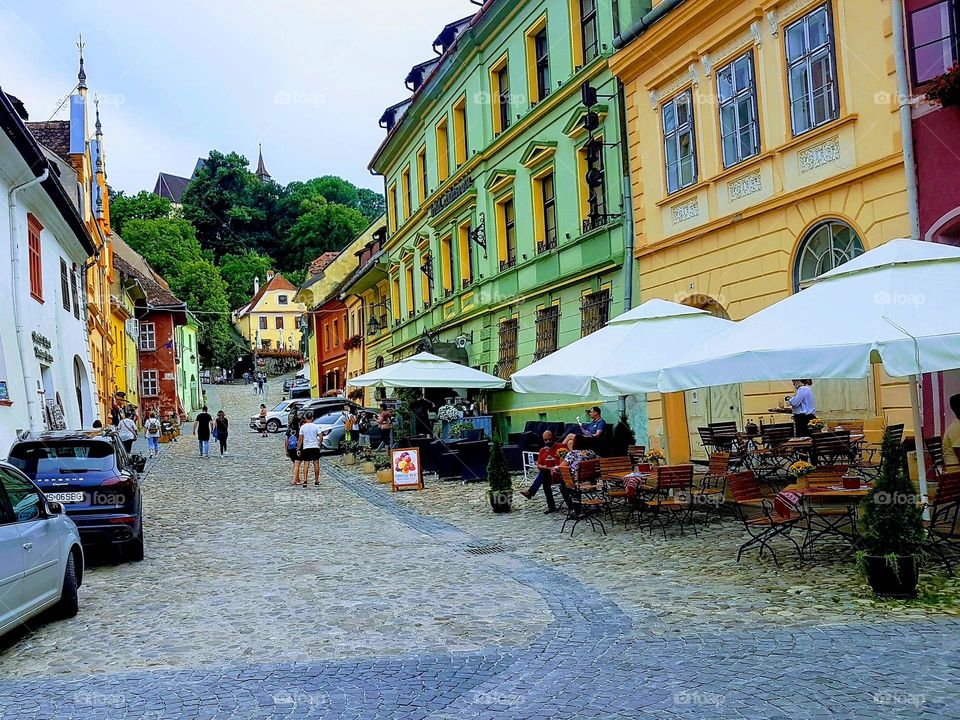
(302, 446)
(205, 426)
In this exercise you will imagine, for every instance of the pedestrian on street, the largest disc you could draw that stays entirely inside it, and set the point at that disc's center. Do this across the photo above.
(385, 423)
(246, 378)
(127, 430)
(291, 443)
(262, 421)
(308, 448)
(223, 428)
(152, 427)
(174, 426)
(260, 385)
(201, 428)
(351, 426)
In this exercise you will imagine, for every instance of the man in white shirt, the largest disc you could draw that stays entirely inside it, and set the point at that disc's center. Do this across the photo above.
(804, 407)
(308, 448)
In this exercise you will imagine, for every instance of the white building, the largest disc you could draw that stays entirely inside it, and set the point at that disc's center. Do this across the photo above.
(45, 379)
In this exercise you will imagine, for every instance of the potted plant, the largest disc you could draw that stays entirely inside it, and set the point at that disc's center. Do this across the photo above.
(366, 461)
(815, 425)
(892, 526)
(656, 457)
(350, 450)
(498, 478)
(799, 471)
(945, 89)
(460, 429)
(381, 462)
(448, 414)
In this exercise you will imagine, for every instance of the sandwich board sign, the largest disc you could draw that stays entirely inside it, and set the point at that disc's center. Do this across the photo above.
(406, 469)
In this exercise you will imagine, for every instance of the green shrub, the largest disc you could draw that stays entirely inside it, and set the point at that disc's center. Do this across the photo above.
(460, 429)
(381, 461)
(498, 474)
(892, 522)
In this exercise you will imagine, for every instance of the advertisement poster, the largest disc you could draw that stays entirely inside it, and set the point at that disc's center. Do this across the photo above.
(405, 466)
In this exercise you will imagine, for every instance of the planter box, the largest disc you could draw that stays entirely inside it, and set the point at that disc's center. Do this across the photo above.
(887, 580)
(385, 476)
(368, 467)
(349, 459)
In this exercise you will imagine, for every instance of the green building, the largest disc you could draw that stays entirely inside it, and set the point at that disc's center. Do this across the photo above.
(505, 202)
(188, 365)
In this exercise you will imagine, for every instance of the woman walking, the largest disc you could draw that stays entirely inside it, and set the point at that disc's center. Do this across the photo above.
(262, 422)
(290, 445)
(152, 427)
(127, 431)
(223, 428)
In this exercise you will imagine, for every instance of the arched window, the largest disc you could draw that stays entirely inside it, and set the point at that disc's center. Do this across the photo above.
(827, 245)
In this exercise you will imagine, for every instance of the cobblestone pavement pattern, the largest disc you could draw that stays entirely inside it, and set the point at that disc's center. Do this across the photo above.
(259, 600)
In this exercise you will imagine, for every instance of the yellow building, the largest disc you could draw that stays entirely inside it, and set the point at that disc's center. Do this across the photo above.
(764, 150)
(271, 320)
(124, 294)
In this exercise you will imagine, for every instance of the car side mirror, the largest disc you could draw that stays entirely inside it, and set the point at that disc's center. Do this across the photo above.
(53, 508)
(139, 462)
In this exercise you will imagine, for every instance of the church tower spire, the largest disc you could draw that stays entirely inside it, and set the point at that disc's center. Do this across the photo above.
(261, 168)
(82, 74)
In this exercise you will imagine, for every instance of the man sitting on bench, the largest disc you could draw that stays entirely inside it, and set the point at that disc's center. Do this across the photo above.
(589, 434)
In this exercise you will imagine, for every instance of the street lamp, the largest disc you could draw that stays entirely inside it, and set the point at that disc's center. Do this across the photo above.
(374, 326)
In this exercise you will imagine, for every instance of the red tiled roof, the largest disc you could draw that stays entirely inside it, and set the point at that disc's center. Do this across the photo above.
(322, 263)
(277, 282)
(53, 134)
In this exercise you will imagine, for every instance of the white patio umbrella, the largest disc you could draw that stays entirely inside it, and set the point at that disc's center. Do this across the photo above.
(895, 305)
(626, 356)
(427, 371)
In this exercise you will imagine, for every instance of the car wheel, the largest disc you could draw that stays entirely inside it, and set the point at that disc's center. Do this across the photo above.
(69, 603)
(133, 550)
(273, 426)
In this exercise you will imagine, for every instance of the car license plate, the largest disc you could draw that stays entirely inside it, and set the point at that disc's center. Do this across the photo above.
(66, 497)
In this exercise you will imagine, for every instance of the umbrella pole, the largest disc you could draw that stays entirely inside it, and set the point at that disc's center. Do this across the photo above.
(918, 433)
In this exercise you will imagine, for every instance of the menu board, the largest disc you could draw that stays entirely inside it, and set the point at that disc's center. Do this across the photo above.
(406, 470)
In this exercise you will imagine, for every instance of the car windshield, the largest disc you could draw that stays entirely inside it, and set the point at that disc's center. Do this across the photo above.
(281, 407)
(40, 458)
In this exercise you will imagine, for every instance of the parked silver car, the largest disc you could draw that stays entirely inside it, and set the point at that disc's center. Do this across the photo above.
(41, 558)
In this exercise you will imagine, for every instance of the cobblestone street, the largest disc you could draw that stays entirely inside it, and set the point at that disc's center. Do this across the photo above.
(260, 600)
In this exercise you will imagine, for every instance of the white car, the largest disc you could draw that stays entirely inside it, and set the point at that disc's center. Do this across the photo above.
(276, 418)
(41, 558)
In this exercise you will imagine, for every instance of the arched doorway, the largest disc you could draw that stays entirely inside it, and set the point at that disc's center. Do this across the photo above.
(82, 387)
(194, 393)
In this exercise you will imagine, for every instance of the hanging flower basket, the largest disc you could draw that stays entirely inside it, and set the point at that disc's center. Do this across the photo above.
(945, 89)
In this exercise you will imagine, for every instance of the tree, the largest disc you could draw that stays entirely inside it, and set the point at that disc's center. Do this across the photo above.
(323, 227)
(372, 204)
(167, 244)
(199, 285)
(230, 207)
(239, 271)
(142, 206)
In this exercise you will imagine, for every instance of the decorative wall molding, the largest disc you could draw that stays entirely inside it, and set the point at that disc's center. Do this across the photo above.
(786, 10)
(685, 211)
(671, 86)
(749, 37)
(819, 155)
(745, 185)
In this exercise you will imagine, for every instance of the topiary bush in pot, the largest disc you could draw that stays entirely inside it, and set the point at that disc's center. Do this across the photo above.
(498, 478)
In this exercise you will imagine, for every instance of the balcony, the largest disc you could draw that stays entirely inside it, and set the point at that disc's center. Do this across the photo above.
(547, 245)
(508, 263)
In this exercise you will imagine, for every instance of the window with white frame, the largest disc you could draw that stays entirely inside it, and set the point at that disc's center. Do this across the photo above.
(811, 71)
(679, 142)
(150, 383)
(148, 336)
(737, 98)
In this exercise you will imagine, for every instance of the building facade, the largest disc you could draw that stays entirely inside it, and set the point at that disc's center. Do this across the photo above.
(45, 374)
(189, 389)
(506, 211)
(761, 158)
(933, 48)
(271, 320)
(125, 293)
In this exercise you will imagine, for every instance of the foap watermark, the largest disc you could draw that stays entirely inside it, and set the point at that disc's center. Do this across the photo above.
(298, 699)
(296, 499)
(892, 697)
(893, 98)
(89, 698)
(699, 698)
(698, 500)
(888, 298)
(886, 498)
(287, 97)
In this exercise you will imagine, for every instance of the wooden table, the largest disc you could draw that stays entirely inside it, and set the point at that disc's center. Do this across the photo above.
(830, 511)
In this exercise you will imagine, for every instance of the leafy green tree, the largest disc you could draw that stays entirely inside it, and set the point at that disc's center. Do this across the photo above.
(142, 206)
(167, 244)
(239, 271)
(199, 285)
(372, 204)
(323, 227)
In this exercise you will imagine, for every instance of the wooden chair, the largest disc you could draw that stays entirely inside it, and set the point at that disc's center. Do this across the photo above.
(758, 514)
(934, 448)
(942, 528)
(584, 502)
(706, 439)
(829, 447)
(637, 453)
(772, 459)
(711, 486)
(673, 498)
(724, 435)
(612, 471)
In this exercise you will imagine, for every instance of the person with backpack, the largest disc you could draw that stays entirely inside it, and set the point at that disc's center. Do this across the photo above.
(152, 427)
(351, 426)
(127, 431)
(221, 430)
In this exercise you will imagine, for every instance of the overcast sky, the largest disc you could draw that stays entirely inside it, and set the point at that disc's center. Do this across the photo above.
(181, 77)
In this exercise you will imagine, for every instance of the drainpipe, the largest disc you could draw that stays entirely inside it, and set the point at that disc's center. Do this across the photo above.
(628, 227)
(27, 361)
(906, 118)
(644, 23)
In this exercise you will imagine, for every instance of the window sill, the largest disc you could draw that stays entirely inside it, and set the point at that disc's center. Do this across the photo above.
(38, 298)
(6, 403)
